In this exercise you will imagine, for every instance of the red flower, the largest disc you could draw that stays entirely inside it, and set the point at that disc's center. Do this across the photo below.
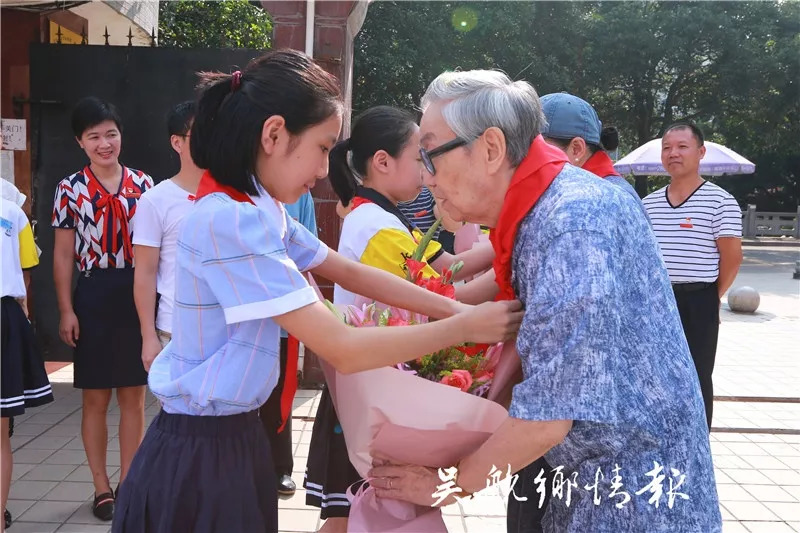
(447, 275)
(438, 286)
(415, 269)
(461, 379)
(472, 351)
(396, 321)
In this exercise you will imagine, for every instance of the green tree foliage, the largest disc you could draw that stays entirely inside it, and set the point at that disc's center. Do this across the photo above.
(213, 24)
(732, 67)
(404, 45)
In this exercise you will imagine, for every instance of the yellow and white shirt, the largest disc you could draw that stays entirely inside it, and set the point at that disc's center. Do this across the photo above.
(18, 249)
(376, 233)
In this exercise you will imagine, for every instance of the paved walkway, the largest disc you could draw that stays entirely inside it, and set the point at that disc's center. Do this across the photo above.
(755, 441)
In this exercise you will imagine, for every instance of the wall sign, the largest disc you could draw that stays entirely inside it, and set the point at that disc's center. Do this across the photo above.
(13, 133)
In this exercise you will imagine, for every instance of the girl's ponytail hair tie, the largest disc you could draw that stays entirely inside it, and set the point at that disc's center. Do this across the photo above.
(236, 80)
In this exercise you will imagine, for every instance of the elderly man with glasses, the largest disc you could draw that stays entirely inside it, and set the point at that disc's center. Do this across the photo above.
(608, 393)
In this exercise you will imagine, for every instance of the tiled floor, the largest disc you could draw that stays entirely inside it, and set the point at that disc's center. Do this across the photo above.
(758, 354)
(758, 474)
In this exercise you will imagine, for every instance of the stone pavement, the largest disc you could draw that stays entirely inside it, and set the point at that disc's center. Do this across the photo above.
(755, 440)
(758, 354)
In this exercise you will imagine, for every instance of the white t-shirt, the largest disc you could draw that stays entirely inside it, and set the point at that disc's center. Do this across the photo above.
(687, 233)
(157, 223)
(376, 237)
(10, 192)
(17, 249)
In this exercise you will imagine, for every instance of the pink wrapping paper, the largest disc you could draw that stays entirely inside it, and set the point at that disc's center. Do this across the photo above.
(466, 237)
(413, 421)
(389, 410)
(507, 373)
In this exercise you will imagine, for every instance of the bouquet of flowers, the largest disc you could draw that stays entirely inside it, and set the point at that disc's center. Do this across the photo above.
(468, 367)
(409, 415)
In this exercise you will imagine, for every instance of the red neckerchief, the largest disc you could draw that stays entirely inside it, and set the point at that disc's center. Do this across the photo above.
(533, 176)
(289, 380)
(114, 212)
(209, 185)
(600, 165)
(358, 201)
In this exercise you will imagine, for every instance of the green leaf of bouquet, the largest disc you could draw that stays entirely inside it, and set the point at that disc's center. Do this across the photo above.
(455, 267)
(335, 311)
(383, 318)
(426, 239)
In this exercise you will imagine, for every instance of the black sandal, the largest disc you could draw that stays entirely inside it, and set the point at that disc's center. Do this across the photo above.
(103, 506)
(7, 517)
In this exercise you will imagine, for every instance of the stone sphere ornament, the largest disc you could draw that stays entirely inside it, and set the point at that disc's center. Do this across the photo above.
(744, 300)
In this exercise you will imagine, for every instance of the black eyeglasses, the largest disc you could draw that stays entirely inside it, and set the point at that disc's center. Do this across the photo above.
(428, 155)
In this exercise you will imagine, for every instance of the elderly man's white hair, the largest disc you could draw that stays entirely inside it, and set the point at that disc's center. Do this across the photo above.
(480, 99)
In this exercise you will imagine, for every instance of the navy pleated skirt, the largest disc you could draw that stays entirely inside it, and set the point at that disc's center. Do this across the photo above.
(23, 378)
(200, 474)
(329, 473)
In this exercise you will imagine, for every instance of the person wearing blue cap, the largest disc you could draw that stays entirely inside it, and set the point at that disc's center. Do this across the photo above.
(573, 126)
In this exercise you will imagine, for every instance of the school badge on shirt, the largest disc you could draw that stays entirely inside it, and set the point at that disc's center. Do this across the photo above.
(7, 226)
(687, 223)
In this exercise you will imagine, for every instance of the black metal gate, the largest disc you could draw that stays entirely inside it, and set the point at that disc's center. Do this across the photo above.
(144, 83)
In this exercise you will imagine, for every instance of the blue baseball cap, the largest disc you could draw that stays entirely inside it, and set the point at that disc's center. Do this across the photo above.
(569, 116)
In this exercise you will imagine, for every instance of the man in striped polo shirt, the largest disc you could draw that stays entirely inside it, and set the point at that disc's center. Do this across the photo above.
(698, 226)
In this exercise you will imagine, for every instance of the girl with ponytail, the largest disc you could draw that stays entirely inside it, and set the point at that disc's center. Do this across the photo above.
(205, 462)
(379, 167)
(371, 172)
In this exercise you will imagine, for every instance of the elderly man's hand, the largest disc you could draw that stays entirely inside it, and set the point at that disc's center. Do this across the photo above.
(411, 483)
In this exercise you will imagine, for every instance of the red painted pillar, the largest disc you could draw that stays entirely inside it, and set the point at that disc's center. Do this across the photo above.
(336, 24)
(288, 23)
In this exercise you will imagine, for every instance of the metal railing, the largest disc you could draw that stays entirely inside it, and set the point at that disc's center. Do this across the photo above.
(770, 224)
(85, 40)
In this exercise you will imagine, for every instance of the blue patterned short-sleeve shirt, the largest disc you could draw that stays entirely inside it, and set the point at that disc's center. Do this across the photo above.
(602, 345)
(238, 266)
